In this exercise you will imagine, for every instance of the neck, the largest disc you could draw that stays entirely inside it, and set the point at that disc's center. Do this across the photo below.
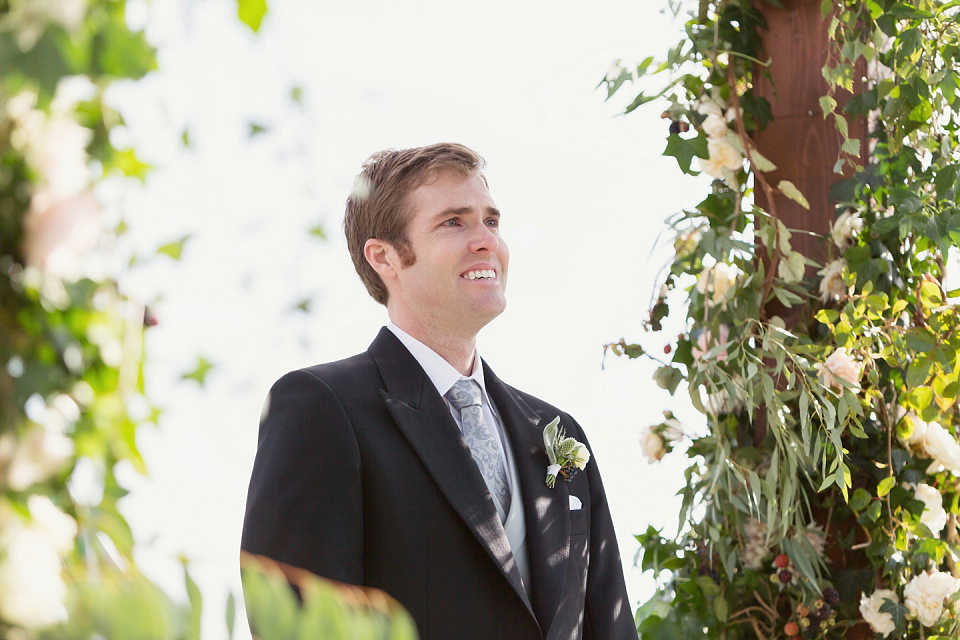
(458, 350)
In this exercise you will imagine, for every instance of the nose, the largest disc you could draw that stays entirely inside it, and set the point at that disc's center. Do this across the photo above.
(485, 240)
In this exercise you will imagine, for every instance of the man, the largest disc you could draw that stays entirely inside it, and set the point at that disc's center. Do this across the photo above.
(411, 467)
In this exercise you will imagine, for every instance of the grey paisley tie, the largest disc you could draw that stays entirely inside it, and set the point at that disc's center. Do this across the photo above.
(465, 396)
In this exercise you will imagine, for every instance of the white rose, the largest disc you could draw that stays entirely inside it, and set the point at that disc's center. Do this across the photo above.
(58, 151)
(933, 514)
(59, 528)
(720, 401)
(755, 551)
(717, 280)
(653, 446)
(32, 591)
(925, 593)
(706, 106)
(39, 455)
(840, 365)
(722, 155)
(879, 621)
(715, 126)
(845, 229)
(816, 537)
(581, 457)
(832, 285)
(59, 232)
(940, 445)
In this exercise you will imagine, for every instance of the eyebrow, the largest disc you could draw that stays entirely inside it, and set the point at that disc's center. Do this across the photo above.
(462, 211)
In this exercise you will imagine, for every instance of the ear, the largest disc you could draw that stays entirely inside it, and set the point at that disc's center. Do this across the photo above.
(381, 256)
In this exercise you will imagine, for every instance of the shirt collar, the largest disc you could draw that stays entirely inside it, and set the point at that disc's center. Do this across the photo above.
(441, 373)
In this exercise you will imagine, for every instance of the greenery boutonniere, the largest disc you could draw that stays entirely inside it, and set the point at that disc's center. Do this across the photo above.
(567, 456)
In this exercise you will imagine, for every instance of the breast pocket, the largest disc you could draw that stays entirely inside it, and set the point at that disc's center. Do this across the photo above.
(579, 521)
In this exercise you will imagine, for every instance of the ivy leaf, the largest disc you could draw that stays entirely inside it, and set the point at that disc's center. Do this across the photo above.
(174, 249)
(885, 485)
(788, 189)
(251, 13)
(684, 150)
(199, 374)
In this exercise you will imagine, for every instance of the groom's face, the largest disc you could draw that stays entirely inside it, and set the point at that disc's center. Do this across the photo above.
(458, 279)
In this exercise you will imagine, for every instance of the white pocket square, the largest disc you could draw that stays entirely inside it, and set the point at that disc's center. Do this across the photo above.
(575, 503)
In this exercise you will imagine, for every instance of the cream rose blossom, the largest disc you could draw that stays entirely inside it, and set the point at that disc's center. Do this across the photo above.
(840, 366)
(933, 514)
(653, 446)
(925, 593)
(722, 155)
(881, 622)
(831, 284)
(32, 590)
(941, 446)
(845, 229)
(715, 125)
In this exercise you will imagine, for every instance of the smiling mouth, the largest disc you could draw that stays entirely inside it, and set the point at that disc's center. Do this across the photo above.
(480, 274)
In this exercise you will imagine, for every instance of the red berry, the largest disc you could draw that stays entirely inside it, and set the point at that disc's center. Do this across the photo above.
(782, 561)
(791, 629)
(785, 576)
(667, 349)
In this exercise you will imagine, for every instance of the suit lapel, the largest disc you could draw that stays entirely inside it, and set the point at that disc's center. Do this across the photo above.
(423, 417)
(547, 510)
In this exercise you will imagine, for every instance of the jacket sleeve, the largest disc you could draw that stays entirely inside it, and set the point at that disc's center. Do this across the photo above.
(607, 611)
(304, 504)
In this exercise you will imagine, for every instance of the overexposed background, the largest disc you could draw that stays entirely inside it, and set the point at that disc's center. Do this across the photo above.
(584, 194)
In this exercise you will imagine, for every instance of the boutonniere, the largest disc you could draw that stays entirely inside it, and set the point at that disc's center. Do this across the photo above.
(566, 455)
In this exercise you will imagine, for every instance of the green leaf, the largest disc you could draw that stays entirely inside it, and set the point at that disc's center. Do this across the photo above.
(788, 189)
(173, 249)
(231, 615)
(860, 499)
(685, 150)
(199, 373)
(885, 485)
(921, 340)
(127, 163)
(255, 129)
(251, 13)
(318, 231)
(721, 608)
(827, 105)
(196, 604)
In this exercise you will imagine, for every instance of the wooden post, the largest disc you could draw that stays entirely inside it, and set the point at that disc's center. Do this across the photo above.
(805, 147)
(802, 144)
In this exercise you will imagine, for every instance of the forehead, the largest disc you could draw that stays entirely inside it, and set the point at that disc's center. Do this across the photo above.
(449, 190)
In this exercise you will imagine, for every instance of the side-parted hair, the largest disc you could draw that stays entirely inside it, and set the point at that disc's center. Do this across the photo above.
(377, 206)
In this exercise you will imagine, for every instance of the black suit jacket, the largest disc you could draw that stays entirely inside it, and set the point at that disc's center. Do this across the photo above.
(362, 476)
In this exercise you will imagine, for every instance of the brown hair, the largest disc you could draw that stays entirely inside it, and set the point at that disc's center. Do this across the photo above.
(377, 207)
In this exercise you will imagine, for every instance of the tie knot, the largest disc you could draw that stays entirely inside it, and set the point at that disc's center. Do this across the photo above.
(464, 393)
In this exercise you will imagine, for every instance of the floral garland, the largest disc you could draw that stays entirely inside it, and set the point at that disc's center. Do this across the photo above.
(822, 495)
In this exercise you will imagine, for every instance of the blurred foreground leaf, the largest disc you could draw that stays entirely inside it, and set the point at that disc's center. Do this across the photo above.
(329, 610)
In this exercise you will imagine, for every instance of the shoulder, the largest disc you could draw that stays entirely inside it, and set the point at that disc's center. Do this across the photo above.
(350, 373)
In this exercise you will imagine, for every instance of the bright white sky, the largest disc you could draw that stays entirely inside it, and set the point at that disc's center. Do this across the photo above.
(583, 195)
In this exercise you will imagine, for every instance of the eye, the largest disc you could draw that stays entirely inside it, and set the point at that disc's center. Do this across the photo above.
(452, 222)
(493, 222)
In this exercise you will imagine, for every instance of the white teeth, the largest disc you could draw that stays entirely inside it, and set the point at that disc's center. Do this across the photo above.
(481, 273)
